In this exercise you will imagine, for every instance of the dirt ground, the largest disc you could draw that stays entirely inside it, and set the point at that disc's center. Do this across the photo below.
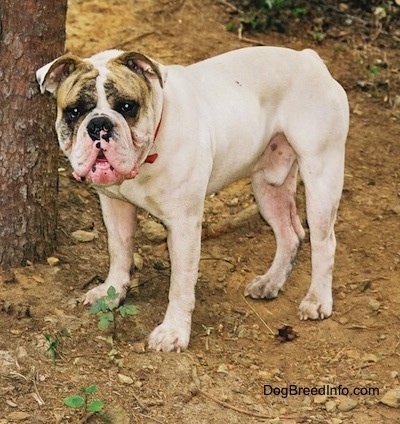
(233, 359)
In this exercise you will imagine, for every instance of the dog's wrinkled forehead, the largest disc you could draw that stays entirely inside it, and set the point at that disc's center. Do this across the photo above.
(106, 79)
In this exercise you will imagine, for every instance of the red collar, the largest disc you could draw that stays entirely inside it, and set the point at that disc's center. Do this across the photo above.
(151, 158)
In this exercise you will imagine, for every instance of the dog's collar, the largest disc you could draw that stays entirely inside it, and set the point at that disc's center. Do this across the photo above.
(151, 158)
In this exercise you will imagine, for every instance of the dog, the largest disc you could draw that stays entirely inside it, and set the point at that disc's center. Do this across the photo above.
(162, 138)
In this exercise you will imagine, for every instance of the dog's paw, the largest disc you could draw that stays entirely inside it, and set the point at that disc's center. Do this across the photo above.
(101, 291)
(262, 288)
(168, 338)
(314, 307)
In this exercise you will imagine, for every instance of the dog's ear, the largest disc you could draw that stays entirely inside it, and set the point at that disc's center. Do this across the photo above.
(51, 75)
(143, 65)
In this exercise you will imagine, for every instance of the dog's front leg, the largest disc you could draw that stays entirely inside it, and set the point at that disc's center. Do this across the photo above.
(120, 220)
(184, 239)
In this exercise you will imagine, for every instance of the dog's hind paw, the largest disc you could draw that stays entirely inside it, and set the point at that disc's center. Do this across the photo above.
(262, 287)
(313, 307)
(168, 338)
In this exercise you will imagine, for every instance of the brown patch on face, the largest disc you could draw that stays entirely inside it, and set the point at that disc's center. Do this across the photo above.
(76, 97)
(79, 88)
(125, 87)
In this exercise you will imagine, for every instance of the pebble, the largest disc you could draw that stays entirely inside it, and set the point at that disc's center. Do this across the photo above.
(222, 369)
(154, 231)
(392, 398)
(319, 399)
(138, 261)
(374, 304)
(53, 261)
(330, 406)
(124, 379)
(85, 236)
(18, 416)
(265, 375)
(347, 405)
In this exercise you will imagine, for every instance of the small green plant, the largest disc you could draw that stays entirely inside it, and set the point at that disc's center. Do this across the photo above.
(259, 15)
(373, 71)
(83, 401)
(55, 344)
(108, 310)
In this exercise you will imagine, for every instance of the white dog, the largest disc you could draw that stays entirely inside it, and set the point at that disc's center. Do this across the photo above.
(164, 137)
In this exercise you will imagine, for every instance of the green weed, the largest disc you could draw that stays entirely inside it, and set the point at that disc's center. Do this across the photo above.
(108, 311)
(83, 401)
(54, 344)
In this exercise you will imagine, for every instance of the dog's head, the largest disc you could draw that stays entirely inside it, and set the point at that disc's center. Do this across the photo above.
(108, 110)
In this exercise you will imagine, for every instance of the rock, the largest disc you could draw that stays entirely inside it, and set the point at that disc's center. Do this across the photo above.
(18, 416)
(347, 404)
(124, 379)
(85, 236)
(265, 375)
(392, 398)
(374, 304)
(154, 231)
(396, 209)
(53, 261)
(330, 406)
(319, 399)
(138, 261)
(222, 369)
(394, 374)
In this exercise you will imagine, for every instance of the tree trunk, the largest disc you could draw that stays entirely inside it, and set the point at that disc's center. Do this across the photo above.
(32, 33)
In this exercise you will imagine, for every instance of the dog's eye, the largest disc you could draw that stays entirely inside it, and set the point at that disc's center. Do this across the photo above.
(128, 108)
(73, 113)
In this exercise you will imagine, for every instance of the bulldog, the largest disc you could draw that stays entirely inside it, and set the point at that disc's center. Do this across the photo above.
(162, 138)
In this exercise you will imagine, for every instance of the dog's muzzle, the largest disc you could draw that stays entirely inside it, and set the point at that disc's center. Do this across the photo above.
(103, 165)
(100, 128)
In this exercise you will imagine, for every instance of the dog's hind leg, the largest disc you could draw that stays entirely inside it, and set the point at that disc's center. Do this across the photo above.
(323, 181)
(274, 183)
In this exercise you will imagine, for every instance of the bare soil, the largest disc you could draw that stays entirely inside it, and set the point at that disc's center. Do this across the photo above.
(233, 351)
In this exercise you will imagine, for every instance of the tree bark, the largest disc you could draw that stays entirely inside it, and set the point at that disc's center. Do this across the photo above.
(32, 33)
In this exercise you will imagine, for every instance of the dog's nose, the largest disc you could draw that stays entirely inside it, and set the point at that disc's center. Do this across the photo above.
(100, 127)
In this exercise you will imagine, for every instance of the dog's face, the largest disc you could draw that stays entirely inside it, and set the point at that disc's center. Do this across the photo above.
(108, 109)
